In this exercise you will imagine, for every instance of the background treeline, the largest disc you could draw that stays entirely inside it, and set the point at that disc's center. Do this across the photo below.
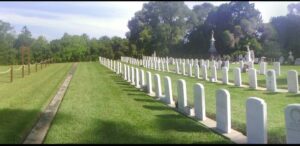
(170, 29)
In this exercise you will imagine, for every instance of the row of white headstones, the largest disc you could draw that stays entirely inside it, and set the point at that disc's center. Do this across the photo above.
(256, 108)
(162, 64)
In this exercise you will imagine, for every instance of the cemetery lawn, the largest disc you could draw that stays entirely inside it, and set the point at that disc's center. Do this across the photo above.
(22, 101)
(100, 107)
(276, 102)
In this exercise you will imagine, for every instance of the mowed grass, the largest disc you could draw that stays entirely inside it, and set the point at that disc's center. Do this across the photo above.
(22, 101)
(100, 107)
(276, 102)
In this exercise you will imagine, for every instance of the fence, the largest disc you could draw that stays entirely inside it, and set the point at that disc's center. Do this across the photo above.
(10, 74)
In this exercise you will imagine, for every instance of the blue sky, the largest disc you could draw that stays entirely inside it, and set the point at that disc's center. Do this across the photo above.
(53, 19)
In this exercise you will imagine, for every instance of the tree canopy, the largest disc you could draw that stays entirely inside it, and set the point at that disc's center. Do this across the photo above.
(170, 29)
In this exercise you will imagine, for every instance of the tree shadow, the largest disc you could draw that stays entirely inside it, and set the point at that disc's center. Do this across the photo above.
(293, 95)
(160, 108)
(15, 124)
(179, 123)
(130, 89)
(271, 93)
(135, 94)
(120, 132)
(144, 100)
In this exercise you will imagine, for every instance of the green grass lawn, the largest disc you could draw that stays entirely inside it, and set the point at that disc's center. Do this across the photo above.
(276, 102)
(22, 101)
(100, 107)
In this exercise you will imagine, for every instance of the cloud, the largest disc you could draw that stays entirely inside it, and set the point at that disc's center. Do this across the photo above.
(94, 26)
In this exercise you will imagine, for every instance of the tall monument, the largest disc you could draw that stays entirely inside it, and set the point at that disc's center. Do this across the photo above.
(212, 50)
(248, 54)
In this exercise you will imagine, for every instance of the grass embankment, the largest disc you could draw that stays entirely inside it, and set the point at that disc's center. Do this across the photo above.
(22, 101)
(276, 102)
(100, 107)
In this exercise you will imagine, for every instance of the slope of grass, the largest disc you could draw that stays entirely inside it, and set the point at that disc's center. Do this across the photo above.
(100, 107)
(276, 102)
(22, 101)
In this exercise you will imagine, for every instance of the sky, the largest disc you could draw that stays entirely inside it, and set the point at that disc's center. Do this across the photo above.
(96, 19)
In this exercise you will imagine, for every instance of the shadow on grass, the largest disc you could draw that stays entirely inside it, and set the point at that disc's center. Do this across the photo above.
(293, 95)
(15, 124)
(179, 123)
(150, 107)
(144, 100)
(131, 89)
(276, 135)
(119, 131)
(271, 93)
(136, 94)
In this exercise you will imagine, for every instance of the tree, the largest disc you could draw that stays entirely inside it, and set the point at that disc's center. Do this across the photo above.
(288, 29)
(159, 26)
(40, 49)
(238, 18)
(7, 52)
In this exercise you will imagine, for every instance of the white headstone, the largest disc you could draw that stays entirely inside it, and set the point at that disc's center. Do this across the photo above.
(177, 68)
(142, 78)
(125, 72)
(262, 68)
(271, 80)
(168, 91)
(204, 72)
(281, 59)
(214, 76)
(199, 101)
(256, 117)
(277, 68)
(197, 71)
(237, 77)
(241, 64)
(132, 76)
(159, 65)
(207, 64)
(190, 70)
(297, 61)
(225, 75)
(167, 66)
(223, 111)
(149, 83)
(183, 68)
(157, 82)
(118, 68)
(227, 64)
(137, 78)
(251, 64)
(292, 81)
(252, 78)
(128, 73)
(182, 95)
(114, 69)
(292, 123)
